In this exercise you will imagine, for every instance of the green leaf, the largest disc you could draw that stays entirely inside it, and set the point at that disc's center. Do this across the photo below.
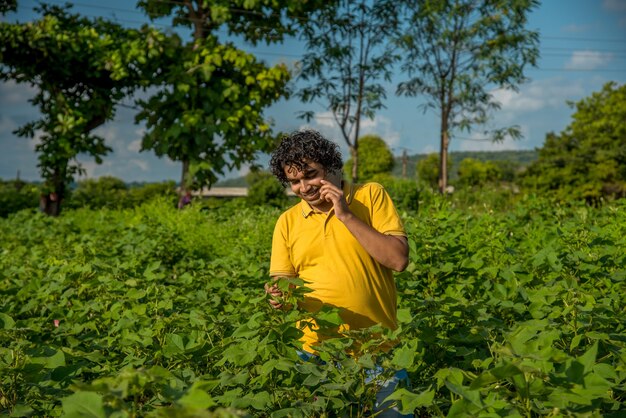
(6, 322)
(404, 356)
(196, 398)
(136, 293)
(494, 375)
(404, 315)
(21, 410)
(54, 358)
(83, 405)
(589, 358)
(260, 400)
(409, 401)
(328, 318)
(174, 344)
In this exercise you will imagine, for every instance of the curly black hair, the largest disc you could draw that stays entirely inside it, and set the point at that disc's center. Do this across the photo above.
(300, 147)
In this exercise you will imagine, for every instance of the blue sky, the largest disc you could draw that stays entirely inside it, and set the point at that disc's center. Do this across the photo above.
(583, 46)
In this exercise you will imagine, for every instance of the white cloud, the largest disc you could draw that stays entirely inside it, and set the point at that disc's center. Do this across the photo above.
(329, 130)
(139, 132)
(7, 125)
(477, 142)
(588, 60)
(535, 96)
(614, 5)
(13, 93)
(142, 164)
(428, 149)
(518, 101)
(383, 127)
(90, 168)
(36, 140)
(325, 119)
(134, 146)
(574, 28)
(380, 125)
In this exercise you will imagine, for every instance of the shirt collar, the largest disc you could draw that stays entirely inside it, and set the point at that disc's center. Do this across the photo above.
(348, 192)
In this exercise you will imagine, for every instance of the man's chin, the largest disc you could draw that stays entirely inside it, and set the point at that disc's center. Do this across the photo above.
(312, 198)
(314, 202)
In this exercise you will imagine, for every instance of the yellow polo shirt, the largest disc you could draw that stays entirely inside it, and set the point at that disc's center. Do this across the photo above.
(318, 248)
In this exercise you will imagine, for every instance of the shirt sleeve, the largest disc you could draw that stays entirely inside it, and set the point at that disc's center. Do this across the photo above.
(385, 217)
(280, 260)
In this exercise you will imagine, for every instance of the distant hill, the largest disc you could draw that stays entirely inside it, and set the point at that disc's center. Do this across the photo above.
(235, 182)
(514, 159)
(518, 159)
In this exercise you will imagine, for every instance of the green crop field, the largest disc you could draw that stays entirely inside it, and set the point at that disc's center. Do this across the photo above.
(159, 312)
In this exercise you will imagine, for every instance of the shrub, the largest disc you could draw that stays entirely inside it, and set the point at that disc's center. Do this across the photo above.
(113, 193)
(477, 173)
(374, 158)
(150, 191)
(16, 195)
(428, 169)
(264, 189)
(104, 192)
(404, 192)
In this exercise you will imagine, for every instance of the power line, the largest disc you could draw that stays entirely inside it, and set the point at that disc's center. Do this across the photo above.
(283, 54)
(302, 18)
(148, 19)
(573, 70)
(564, 38)
(549, 48)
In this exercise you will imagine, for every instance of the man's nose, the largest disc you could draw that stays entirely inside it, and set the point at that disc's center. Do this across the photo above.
(305, 184)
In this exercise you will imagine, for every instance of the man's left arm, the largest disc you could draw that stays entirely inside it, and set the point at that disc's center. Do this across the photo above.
(391, 251)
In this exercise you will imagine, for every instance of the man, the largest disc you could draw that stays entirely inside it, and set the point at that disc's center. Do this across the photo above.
(343, 240)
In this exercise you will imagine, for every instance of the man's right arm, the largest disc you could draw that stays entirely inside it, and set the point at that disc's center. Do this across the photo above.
(280, 263)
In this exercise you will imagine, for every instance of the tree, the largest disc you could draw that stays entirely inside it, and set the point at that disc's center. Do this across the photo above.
(265, 189)
(8, 6)
(588, 159)
(81, 69)
(375, 158)
(208, 111)
(349, 56)
(477, 173)
(428, 169)
(455, 51)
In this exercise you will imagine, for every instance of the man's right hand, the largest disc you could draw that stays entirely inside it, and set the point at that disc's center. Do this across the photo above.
(275, 293)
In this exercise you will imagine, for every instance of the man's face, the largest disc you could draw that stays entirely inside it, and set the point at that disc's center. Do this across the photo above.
(306, 183)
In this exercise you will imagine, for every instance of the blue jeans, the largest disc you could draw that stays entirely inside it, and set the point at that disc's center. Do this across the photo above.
(385, 389)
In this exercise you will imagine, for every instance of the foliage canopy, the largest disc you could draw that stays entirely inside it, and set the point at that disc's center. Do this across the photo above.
(80, 69)
(154, 312)
(375, 158)
(455, 52)
(588, 159)
(349, 57)
(428, 169)
(208, 110)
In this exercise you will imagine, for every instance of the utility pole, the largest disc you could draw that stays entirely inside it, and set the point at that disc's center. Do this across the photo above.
(404, 163)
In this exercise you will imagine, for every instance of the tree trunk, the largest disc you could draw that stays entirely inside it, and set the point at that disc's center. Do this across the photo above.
(404, 163)
(184, 177)
(355, 163)
(50, 204)
(443, 166)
